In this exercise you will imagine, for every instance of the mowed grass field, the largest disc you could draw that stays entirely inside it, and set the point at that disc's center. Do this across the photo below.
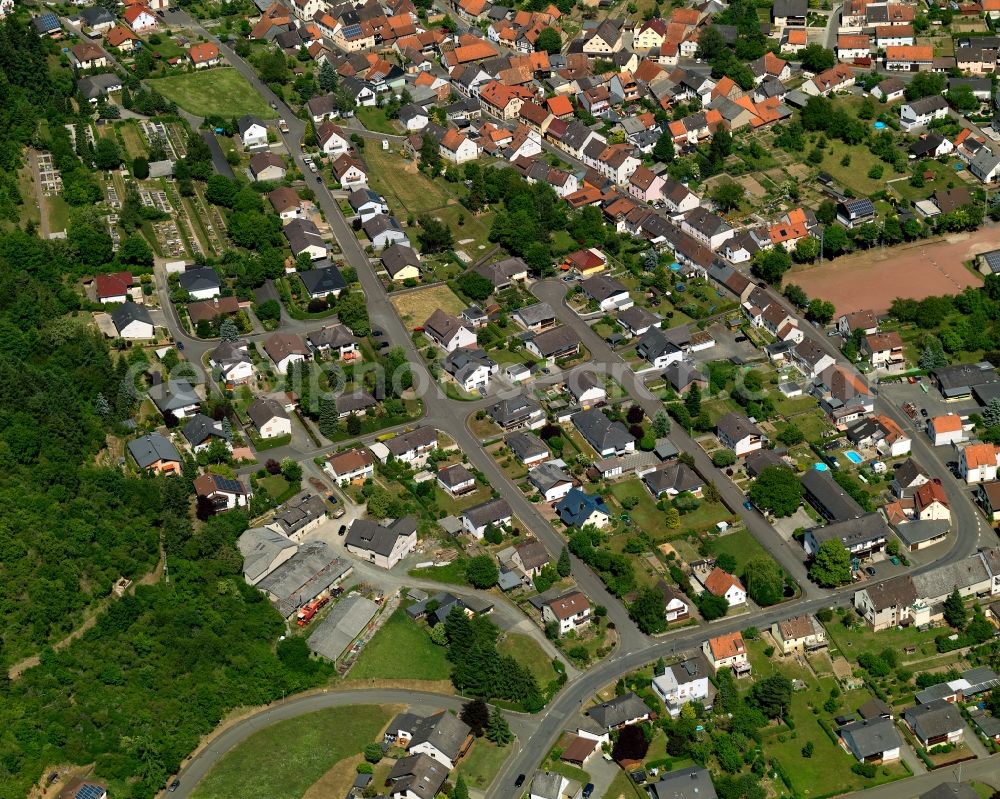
(529, 653)
(405, 187)
(414, 307)
(221, 91)
(282, 761)
(380, 658)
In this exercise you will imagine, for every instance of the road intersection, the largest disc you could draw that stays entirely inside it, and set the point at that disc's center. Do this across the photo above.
(538, 733)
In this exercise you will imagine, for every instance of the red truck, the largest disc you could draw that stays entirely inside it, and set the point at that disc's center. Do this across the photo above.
(309, 610)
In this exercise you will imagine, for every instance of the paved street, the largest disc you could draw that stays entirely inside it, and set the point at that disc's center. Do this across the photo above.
(787, 554)
(538, 733)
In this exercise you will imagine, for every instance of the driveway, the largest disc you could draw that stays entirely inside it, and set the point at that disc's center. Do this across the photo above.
(219, 161)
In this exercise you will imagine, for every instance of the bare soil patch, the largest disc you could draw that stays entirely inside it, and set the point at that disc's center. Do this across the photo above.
(872, 279)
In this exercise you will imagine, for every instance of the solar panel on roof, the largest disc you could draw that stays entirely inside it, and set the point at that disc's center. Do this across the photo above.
(225, 484)
(352, 30)
(90, 791)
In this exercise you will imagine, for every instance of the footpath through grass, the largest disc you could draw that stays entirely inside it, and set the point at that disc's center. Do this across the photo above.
(222, 91)
(282, 761)
(380, 659)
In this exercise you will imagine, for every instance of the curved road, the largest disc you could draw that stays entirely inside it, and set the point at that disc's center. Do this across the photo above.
(198, 766)
(635, 649)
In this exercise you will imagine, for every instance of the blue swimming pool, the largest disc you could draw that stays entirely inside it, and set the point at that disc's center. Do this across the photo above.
(853, 457)
(821, 467)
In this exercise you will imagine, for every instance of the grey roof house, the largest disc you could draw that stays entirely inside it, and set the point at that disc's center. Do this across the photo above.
(606, 437)
(620, 711)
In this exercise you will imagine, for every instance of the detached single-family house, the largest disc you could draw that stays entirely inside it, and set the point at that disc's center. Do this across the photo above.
(349, 172)
(682, 683)
(945, 430)
(937, 722)
(471, 368)
(140, 19)
(977, 463)
(798, 634)
(586, 388)
(201, 283)
(723, 584)
(606, 437)
(201, 431)
(873, 740)
(304, 237)
(87, 55)
(656, 347)
(551, 480)
(516, 413)
(620, 712)
(383, 230)
(728, 651)
(252, 132)
(175, 397)
(223, 492)
(570, 612)
(269, 417)
(442, 736)
(285, 349)
(323, 282)
(496, 511)
(608, 293)
(448, 332)
(113, 288)
(332, 140)
(456, 479)
(232, 359)
(922, 112)
(528, 448)
(155, 453)
(401, 262)
(204, 54)
(553, 344)
(132, 321)
(352, 466)
(579, 509)
(267, 166)
(738, 433)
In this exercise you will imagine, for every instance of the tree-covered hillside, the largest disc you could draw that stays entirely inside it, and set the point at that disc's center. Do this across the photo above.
(160, 668)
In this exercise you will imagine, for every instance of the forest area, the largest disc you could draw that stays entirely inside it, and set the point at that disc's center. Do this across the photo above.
(159, 669)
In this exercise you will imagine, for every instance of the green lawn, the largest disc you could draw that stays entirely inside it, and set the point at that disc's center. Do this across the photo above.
(855, 175)
(622, 785)
(375, 119)
(645, 515)
(221, 91)
(380, 659)
(167, 48)
(859, 638)
(482, 763)
(282, 761)
(705, 517)
(828, 771)
(452, 574)
(58, 210)
(275, 484)
(528, 652)
(398, 179)
(742, 546)
(985, 791)
(943, 175)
